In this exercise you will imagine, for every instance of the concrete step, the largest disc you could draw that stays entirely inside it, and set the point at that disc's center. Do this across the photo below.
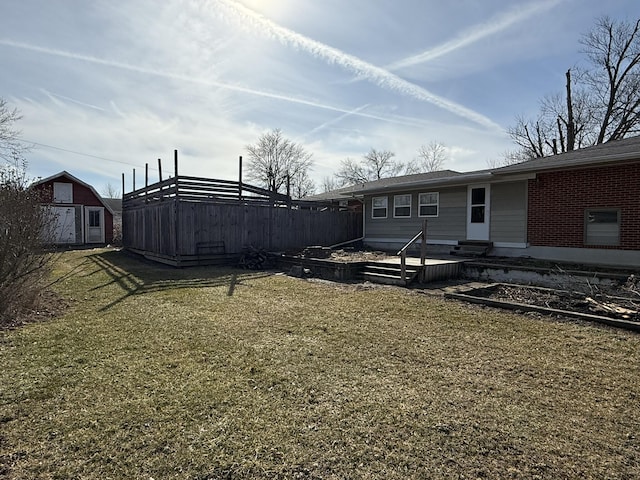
(480, 243)
(472, 248)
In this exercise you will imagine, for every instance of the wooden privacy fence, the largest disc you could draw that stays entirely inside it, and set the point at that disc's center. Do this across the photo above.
(189, 221)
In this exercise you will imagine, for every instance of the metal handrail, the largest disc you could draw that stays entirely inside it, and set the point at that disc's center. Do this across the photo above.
(403, 251)
(347, 242)
(410, 242)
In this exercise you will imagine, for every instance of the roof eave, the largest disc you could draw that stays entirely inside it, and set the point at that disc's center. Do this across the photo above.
(463, 179)
(561, 165)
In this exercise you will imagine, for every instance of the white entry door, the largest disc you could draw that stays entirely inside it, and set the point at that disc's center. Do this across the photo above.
(478, 208)
(94, 224)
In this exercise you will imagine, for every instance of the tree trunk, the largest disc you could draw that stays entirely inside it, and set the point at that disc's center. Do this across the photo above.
(571, 126)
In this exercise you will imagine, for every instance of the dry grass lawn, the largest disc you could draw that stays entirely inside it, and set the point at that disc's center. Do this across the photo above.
(208, 373)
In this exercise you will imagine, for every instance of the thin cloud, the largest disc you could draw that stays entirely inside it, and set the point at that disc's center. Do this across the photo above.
(191, 79)
(336, 120)
(251, 20)
(493, 26)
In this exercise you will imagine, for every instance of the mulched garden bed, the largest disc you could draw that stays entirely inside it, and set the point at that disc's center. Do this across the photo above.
(620, 311)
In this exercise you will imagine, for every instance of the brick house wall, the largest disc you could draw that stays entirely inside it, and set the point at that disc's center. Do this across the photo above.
(557, 202)
(81, 196)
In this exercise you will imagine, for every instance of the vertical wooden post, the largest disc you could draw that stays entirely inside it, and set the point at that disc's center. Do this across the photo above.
(176, 212)
(403, 265)
(146, 182)
(134, 179)
(159, 170)
(240, 178)
(423, 243)
(123, 185)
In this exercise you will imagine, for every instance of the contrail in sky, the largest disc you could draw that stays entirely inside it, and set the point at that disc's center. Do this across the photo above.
(185, 78)
(249, 19)
(494, 25)
(54, 97)
(337, 119)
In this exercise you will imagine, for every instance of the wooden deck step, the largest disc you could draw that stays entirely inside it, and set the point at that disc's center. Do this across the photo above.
(389, 274)
(389, 269)
(385, 278)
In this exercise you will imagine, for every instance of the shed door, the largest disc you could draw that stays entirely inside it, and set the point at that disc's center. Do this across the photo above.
(94, 224)
(478, 209)
(64, 224)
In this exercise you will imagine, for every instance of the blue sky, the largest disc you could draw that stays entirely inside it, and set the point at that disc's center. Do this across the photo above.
(106, 86)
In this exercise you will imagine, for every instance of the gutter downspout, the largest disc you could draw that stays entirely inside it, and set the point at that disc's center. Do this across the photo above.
(364, 217)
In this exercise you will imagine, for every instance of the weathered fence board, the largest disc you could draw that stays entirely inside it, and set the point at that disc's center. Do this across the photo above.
(194, 225)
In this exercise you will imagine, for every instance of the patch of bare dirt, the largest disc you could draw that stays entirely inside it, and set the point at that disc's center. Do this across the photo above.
(48, 305)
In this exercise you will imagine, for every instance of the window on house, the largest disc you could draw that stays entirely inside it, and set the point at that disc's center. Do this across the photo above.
(478, 204)
(428, 204)
(379, 209)
(402, 206)
(602, 227)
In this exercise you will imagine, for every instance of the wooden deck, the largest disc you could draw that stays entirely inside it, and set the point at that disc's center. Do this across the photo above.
(434, 269)
(415, 261)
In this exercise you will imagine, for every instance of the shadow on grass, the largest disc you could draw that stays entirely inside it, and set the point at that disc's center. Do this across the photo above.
(136, 275)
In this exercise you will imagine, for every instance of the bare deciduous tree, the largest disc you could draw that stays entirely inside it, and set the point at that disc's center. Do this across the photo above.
(376, 164)
(614, 50)
(329, 184)
(302, 185)
(11, 149)
(600, 103)
(431, 157)
(111, 191)
(275, 161)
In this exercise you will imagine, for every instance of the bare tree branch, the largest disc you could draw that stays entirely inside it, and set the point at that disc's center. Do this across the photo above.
(275, 160)
(601, 103)
(11, 149)
(432, 157)
(376, 164)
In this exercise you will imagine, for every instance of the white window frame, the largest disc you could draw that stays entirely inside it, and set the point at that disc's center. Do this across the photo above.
(437, 204)
(374, 208)
(396, 206)
(587, 212)
(62, 192)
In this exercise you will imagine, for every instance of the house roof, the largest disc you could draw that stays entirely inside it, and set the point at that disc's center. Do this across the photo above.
(383, 184)
(67, 175)
(115, 204)
(337, 194)
(613, 151)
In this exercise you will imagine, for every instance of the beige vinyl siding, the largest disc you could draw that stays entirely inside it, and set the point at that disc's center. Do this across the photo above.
(450, 224)
(509, 212)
